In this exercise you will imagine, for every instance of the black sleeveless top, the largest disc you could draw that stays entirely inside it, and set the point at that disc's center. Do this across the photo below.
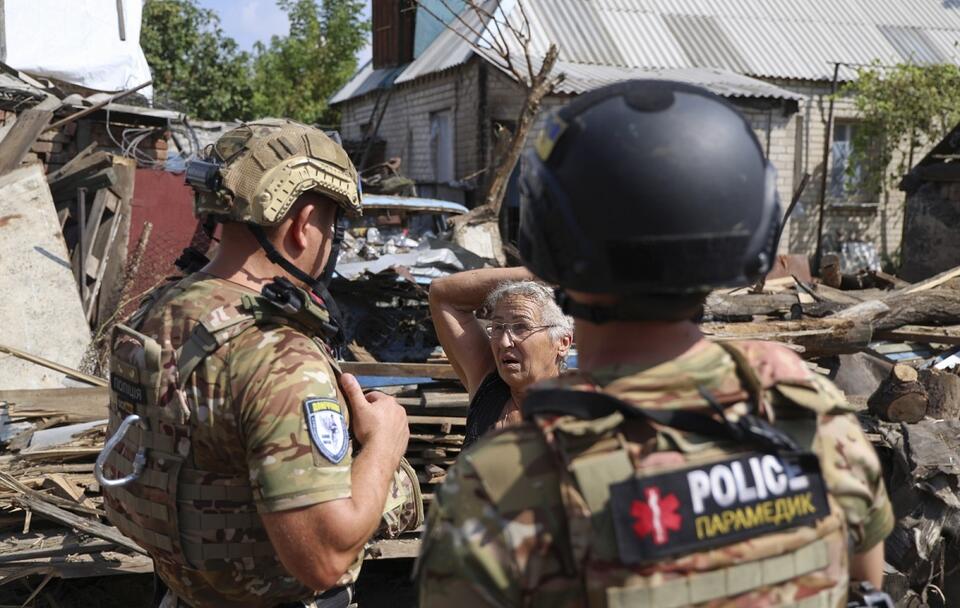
(485, 407)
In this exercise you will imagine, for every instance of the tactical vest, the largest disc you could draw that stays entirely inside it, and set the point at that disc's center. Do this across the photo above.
(701, 518)
(153, 491)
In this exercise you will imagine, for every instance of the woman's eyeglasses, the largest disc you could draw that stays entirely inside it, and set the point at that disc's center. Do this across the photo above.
(519, 331)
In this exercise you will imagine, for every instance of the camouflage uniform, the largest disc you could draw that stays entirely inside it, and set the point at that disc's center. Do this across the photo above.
(225, 405)
(524, 518)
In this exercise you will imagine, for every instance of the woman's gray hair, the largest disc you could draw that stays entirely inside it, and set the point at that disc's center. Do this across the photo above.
(542, 296)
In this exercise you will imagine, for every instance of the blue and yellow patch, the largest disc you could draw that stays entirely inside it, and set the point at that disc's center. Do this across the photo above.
(549, 136)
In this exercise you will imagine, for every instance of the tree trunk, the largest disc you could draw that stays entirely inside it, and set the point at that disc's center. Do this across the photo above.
(479, 230)
(742, 307)
(943, 393)
(816, 337)
(901, 397)
(541, 86)
(939, 306)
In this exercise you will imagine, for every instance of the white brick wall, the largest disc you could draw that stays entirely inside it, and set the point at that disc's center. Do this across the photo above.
(794, 144)
(882, 225)
(406, 124)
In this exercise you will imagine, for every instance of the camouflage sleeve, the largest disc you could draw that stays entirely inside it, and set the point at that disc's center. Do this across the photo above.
(853, 474)
(465, 559)
(293, 423)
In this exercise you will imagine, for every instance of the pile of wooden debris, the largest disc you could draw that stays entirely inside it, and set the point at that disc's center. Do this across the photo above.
(894, 349)
(51, 515)
(895, 352)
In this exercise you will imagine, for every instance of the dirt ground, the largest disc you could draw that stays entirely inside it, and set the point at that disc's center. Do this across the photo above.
(384, 584)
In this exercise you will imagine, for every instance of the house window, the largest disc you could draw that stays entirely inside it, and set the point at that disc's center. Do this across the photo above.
(844, 182)
(441, 146)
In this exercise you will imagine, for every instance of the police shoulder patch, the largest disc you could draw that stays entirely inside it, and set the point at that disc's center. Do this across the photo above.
(327, 426)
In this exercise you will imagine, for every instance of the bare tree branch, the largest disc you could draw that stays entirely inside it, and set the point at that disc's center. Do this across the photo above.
(504, 36)
(496, 59)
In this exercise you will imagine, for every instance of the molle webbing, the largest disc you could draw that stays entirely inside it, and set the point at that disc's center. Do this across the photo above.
(728, 582)
(198, 518)
(592, 548)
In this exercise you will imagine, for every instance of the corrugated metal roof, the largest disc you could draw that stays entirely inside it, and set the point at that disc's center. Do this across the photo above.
(791, 39)
(705, 43)
(656, 48)
(579, 78)
(948, 43)
(364, 81)
(913, 44)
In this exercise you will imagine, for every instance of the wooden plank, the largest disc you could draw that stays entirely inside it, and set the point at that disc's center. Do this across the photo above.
(401, 370)
(445, 399)
(73, 164)
(63, 369)
(461, 420)
(60, 454)
(73, 548)
(66, 488)
(14, 485)
(393, 549)
(78, 404)
(21, 137)
(838, 295)
(95, 217)
(95, 528)
(97, 106)
(936, 280)
(102, 266)
(66, 188)
(79, 566)
(916, 333)
(895, 282)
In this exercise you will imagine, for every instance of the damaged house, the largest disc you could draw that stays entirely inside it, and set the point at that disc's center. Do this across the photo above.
(428, 97)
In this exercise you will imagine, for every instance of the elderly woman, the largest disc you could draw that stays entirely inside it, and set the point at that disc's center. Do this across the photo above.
(524, 340)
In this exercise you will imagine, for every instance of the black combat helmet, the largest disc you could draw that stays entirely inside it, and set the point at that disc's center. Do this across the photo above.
(648, 188)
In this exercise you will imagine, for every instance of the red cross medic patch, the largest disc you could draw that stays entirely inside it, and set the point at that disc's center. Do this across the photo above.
(716, 504)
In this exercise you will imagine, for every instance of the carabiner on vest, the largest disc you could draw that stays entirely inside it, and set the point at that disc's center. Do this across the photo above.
(139, 461)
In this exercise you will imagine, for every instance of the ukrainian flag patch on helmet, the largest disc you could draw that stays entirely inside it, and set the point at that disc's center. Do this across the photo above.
(549, 135)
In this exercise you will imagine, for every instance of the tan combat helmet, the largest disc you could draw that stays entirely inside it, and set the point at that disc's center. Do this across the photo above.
(255, 173)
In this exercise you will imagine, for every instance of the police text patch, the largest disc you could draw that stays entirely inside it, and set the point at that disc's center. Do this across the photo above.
(328, 428)
(128, 391)
(716, 504)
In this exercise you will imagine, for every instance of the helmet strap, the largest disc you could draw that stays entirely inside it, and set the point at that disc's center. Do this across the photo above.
(633, 309)
(318, 285)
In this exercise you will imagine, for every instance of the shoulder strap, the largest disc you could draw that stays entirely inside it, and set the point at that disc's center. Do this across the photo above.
(149, 301)
(226, 323)
(213, 331)
(590, 405)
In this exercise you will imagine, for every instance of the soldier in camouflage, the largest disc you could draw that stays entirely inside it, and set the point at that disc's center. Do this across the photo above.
(231, 458)
(669, 470)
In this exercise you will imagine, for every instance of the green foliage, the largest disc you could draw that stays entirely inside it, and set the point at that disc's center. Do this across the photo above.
(903, 110)
(296, 74)
(195, 66)
(202, 71)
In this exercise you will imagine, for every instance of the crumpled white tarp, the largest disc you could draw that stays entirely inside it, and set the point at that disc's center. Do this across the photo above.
(77, 41)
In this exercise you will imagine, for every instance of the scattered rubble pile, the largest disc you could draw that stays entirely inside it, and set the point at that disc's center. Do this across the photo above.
(381, 287)
(51, 516)
(893, 348)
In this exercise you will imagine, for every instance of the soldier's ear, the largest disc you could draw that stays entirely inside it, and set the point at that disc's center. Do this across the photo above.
(303, 223)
